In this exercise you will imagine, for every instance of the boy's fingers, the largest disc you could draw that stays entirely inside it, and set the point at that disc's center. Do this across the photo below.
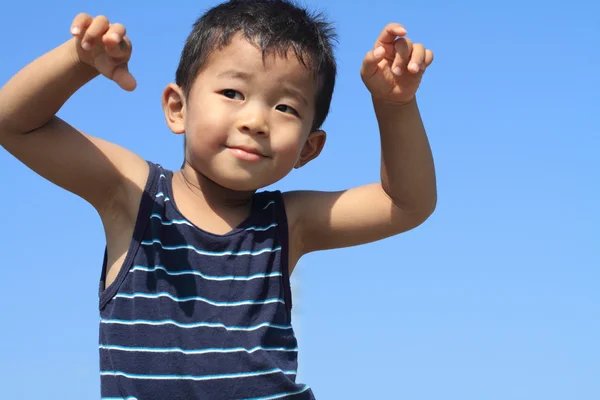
(115, 42)
(404, 48)
(371, 61)
(428, 57)
(114, 34)
(390, 33)
(97, 28)
(417, 59)
(80, 24)
(120, 50)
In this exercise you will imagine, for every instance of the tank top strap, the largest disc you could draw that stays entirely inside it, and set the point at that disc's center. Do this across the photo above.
(145, 209)
(271, 206)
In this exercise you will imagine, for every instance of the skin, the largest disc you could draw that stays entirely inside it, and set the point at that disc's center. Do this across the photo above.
(258, 107)
(246, 127)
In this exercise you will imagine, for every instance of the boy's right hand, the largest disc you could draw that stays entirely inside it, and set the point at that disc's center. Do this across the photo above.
(105, 47)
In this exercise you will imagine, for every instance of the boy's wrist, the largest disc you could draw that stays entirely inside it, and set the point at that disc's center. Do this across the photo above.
(394, 110)
(386, 104)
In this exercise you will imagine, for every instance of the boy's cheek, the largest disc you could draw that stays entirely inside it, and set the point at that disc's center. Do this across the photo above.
(209, 130)
(288, 152)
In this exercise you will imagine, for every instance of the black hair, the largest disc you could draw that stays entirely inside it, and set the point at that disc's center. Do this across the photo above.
(273, 26)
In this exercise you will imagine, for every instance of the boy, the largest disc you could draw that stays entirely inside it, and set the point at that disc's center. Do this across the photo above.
(195, 298)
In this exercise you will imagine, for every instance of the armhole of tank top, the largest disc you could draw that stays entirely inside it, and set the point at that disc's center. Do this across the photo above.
(145, 209)
(282, 221)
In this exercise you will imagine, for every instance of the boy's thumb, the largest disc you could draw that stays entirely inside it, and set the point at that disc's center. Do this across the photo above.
(123, 78)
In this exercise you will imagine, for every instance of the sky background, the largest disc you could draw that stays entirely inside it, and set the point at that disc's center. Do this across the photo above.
(495, 297)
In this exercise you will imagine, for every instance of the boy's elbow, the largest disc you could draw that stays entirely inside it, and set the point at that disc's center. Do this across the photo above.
(428, 212)
(415, 215)
(422, 214)
(430, 206)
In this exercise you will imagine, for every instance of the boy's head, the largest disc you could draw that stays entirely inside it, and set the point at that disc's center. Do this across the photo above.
(249, 70)
(276, 26)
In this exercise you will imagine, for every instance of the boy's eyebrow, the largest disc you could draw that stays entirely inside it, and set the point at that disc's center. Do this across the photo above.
(293, 92)
(232, 73)
(288, 90)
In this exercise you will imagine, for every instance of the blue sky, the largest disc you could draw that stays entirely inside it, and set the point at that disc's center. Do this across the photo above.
(495, 297)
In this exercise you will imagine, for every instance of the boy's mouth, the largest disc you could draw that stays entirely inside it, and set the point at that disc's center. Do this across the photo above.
(246, 153)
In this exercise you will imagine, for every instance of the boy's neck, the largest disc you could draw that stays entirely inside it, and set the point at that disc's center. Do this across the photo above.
(209, 193)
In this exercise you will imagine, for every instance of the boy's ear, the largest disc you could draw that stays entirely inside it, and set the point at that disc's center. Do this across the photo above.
(173, 102)
(312, 148)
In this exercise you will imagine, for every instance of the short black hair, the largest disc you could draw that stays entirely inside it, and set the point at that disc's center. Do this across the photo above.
(273, 26)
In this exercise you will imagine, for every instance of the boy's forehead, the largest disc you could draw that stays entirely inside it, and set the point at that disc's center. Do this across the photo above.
(246, 59)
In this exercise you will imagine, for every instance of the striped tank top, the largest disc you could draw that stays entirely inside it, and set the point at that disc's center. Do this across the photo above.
(193, 315)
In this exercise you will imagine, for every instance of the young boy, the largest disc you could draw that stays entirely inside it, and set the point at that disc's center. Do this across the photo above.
(195, 297)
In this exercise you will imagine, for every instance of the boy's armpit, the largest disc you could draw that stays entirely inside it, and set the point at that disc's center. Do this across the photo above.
(328, 220)
(92, 168)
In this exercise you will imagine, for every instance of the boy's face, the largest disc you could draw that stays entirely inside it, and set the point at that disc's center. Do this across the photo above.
(247, 119)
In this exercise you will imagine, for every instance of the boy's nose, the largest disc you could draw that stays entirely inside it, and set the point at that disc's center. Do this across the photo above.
(254, 124)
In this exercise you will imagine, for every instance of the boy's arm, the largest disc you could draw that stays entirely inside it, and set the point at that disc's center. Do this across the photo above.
(406, 195)
(89, 167)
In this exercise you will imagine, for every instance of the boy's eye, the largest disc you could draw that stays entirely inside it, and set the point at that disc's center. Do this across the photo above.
(232, 94)
(287, 109)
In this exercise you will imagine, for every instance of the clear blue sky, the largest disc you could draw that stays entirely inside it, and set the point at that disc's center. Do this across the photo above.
(495, 297)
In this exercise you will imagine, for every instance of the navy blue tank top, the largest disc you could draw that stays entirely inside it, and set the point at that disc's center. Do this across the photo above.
(193, 315)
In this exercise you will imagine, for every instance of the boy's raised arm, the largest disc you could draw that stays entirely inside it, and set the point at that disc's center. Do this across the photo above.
(406, 195)
(89, 167)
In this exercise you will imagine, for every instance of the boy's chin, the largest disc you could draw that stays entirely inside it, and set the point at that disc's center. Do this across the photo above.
(241, 185)
(248, 181)
(238, 180)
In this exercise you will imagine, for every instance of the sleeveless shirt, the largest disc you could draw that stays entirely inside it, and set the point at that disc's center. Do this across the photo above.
(194, 315)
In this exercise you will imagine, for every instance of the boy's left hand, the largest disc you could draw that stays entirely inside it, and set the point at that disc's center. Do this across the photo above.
(392, 71)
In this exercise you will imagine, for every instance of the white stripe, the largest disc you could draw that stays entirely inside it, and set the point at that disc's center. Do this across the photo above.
(195, 325)
(185, 222)
(210, 253)
(262, 229)
(174, 221)
(119, 398)
(204, 276)
(197, 378)
(280, 395)
(196, 298)
(195, 352)
(161, 194)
